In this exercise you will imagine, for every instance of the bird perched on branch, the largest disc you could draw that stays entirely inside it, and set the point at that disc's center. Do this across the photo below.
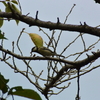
(39, 48)
(44, 51)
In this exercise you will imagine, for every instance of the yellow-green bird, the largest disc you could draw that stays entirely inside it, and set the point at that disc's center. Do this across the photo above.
(44, 51)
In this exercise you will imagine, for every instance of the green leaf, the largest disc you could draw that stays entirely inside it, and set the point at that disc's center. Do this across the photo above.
(17, 22)
(15, 8)
(1, 20)
(2, 36)
(15, 2)
(3, 84)
(4, 3)
(7, 0)
(28, 93)
(7, 9)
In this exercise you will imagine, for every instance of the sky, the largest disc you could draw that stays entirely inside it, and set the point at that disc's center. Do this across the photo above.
(49, 10)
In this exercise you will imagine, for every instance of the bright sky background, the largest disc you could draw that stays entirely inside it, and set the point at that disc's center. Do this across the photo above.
(49, 10)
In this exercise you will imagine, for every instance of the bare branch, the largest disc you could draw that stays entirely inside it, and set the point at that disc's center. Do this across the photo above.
(50, 25)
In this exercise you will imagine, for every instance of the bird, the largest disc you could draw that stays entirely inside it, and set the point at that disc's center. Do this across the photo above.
(44, 51)
(36, 39)
(39, 48)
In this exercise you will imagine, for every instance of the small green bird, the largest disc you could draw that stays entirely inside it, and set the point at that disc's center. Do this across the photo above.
(44, 51)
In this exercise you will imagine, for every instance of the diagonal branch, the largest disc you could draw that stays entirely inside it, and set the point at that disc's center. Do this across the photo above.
(79, 63)
(35, 58)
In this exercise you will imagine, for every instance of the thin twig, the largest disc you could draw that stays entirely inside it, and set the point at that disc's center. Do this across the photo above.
(18, 42)
(19, 6)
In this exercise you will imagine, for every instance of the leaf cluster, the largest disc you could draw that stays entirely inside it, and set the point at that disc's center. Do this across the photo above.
(18, 90)
(8, 9)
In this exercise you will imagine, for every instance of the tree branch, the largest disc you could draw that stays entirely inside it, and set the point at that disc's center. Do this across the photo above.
(50, 25)
(79, 63)
(35, 58)
(68, 65)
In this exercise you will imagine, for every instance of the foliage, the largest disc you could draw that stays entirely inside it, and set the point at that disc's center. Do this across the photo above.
(3, 84)
(8, 9)
(1, 20)
(18, 90)
(2, 35)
